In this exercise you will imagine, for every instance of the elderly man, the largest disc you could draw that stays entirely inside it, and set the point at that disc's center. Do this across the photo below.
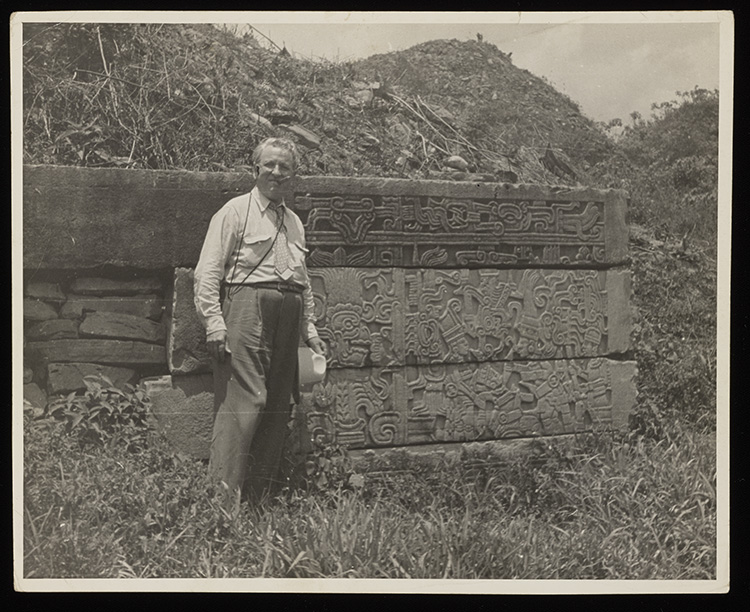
(254, 254)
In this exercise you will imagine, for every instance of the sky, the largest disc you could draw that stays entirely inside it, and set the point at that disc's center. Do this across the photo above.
(609, 69)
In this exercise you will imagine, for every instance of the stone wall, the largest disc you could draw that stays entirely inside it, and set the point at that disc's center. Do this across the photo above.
(454, 311)
(81, 326)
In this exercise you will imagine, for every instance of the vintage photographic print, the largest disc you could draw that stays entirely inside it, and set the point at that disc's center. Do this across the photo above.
(371, 302)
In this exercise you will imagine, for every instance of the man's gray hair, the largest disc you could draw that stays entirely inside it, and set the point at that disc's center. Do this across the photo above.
(280, 143)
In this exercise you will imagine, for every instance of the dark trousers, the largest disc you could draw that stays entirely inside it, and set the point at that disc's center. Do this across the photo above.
(253, 390)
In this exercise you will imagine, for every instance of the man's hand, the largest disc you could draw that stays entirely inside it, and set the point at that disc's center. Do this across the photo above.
(217, 347)
(317, 345)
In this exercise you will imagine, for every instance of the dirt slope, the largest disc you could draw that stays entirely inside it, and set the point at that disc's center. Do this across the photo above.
(196, 97)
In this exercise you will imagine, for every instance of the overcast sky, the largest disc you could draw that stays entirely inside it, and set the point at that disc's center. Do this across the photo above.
(609, 69)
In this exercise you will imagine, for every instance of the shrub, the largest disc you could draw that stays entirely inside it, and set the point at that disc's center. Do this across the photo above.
(104, 414)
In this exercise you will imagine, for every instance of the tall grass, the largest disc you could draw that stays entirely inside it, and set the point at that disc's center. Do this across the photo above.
(628, 508)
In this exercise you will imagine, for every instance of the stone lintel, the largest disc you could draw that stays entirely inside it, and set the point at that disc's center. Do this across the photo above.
(427, 409)
(176, 206)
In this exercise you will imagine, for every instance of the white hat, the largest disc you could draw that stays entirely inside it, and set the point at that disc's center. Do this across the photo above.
(312, 366)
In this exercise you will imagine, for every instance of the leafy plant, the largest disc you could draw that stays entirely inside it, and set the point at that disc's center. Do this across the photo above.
(328, 467)
(103, 413)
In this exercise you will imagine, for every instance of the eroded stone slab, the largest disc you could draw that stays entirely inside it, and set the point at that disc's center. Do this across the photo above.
(34, 310)
(109, 352)
(45, 291)
(53, 329)
(382, 407)
(107, 286)
(184, 407)
(186, 345)
(122, 326)
(148, 306)
(67, 377)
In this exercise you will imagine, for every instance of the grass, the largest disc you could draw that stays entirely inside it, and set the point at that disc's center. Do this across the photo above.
(603, 507)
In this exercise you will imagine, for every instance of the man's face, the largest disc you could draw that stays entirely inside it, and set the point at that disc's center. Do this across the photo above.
(275, 167)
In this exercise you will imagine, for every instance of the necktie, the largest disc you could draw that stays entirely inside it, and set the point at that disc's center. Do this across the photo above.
(282, 256)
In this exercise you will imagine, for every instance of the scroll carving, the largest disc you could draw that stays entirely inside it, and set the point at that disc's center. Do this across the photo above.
(458, 403)
(424, 231)
(389, 317)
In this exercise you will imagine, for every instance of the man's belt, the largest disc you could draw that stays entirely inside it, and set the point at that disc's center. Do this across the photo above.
(277, 285)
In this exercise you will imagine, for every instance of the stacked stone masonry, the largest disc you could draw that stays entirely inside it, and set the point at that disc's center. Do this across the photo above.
(454, 311)
(72, 331)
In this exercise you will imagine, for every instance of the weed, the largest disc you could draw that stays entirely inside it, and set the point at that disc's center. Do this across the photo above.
(103, 413)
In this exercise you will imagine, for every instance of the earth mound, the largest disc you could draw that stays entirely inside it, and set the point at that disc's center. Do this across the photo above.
(197, 97)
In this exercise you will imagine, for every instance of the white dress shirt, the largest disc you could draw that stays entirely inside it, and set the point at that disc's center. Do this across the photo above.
(220, 259)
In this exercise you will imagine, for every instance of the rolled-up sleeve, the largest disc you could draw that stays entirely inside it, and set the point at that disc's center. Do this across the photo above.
(217, 248)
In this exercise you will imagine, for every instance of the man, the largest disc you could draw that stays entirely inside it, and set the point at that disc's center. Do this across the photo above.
(254, 253)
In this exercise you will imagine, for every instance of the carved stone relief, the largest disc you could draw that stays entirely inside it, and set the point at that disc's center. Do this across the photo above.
(397, 317)
(425, 231)
(455, 403)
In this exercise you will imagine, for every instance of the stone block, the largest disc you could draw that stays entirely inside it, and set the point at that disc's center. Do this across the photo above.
(619, 316)
(49, 292)
(122, 326)
(152, 219)
(184, 408)
(34, 395)
(360, 315)
(489, 315)
(147, 306)
(384, 407)
(395, 317)
(109, 352)
(392, 222)
(67, 377)
(186, 345)
(107, 286)
(350, 221)
(53, 329)
(34, 310)
(377, 408)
